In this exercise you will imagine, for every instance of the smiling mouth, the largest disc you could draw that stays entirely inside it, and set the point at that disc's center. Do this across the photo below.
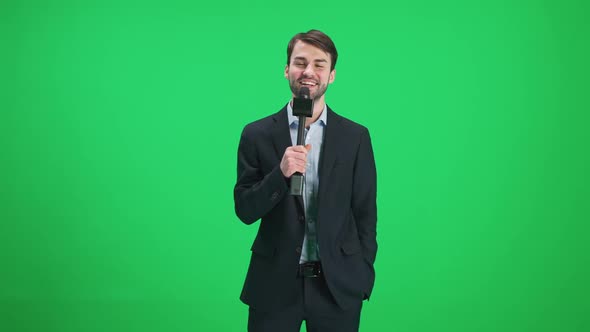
(308, 83)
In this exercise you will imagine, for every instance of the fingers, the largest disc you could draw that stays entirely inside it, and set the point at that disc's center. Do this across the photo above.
(294, 160)
(298, 152)
(299, 148)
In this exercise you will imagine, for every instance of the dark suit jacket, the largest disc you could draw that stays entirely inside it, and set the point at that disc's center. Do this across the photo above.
(347, 213)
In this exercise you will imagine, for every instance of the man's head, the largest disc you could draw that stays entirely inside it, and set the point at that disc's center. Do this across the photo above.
(311, 59)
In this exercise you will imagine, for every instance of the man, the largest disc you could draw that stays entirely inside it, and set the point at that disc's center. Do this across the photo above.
(312, 259)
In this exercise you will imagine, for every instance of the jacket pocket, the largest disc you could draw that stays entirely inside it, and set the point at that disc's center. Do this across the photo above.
(351, 248)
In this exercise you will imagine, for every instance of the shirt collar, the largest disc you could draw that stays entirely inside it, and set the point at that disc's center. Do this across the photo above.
(323, 119)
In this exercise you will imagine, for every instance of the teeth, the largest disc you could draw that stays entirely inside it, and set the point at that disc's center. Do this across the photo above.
(307, 83)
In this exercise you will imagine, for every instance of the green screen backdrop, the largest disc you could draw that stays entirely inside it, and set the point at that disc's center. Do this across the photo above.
(119, 126)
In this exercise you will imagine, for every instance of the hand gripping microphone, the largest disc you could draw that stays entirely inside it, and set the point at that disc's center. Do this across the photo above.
(303, 108)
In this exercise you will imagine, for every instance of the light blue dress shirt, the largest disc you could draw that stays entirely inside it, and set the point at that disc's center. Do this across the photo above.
(314, 136)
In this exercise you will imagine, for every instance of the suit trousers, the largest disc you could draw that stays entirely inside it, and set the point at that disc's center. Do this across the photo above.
(315, 305)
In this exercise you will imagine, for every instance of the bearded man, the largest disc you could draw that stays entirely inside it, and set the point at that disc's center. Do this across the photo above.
(312, 258)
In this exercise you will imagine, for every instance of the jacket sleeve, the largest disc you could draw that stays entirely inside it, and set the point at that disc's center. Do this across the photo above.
(255, 193)
(364, 198)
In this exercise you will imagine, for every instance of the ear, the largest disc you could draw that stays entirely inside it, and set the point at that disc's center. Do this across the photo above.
(332, 76)
(287, 71)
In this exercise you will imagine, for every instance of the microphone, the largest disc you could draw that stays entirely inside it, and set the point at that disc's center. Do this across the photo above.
(303, 108)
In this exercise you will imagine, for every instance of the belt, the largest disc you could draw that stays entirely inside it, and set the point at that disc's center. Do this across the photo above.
(309, 270)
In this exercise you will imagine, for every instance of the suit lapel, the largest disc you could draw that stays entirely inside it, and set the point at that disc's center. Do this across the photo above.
(281, 138)
(329, 150)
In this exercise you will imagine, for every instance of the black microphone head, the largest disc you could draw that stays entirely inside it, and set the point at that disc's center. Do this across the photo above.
(304, 92)
(303, 104)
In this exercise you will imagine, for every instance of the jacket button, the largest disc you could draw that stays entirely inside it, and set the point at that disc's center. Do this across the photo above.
(274, 195)
(298, 250)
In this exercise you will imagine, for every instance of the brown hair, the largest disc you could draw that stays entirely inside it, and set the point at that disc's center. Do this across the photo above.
(317, 39)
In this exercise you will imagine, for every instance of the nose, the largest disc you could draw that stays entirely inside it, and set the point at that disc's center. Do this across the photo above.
(309, 70)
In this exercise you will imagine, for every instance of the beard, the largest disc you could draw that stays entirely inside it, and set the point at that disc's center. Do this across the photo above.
(319, 92)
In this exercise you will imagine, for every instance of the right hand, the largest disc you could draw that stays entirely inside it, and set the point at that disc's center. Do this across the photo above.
(294, 160)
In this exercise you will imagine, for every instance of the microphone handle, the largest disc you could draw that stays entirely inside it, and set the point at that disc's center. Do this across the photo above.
(298, 179)
(301, 130)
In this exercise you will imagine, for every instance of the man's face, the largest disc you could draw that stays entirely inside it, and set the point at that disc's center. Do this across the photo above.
(309, 66)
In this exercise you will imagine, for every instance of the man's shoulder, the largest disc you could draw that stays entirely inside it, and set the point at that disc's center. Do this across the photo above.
(265, 123)
(262, 122)
(346, 123)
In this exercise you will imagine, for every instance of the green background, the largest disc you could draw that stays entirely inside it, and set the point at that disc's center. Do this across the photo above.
(119, 126)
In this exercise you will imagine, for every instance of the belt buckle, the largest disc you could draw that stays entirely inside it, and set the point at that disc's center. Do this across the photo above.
(310, 270)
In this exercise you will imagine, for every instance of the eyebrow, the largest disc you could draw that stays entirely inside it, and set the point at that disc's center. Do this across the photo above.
(316, 60)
